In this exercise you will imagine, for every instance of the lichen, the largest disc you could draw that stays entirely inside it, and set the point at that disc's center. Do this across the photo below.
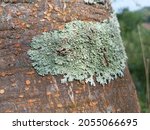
(89, 51)
(94, 1)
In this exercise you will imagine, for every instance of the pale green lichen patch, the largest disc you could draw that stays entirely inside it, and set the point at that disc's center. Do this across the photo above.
(94, 1)
(81, 51)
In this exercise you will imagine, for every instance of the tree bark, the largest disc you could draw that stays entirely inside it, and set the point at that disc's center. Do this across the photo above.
(23, 90)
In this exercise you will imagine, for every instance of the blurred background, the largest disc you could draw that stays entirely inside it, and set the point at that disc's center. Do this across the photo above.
(134, 18)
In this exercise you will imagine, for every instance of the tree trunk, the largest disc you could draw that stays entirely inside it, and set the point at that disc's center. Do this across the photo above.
(23, 90)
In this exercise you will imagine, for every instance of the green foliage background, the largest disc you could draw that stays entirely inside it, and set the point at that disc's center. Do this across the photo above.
(129, 21)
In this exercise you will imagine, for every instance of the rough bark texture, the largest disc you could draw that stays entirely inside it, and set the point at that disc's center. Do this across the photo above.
(23, 90)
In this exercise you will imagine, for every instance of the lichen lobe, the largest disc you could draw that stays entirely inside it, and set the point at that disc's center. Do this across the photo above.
(81, 51)
(94, 1)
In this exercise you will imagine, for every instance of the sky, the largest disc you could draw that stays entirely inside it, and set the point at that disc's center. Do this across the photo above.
(131, 4)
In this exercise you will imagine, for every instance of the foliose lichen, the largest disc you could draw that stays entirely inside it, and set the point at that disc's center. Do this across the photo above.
(89, 51)
(94, 1)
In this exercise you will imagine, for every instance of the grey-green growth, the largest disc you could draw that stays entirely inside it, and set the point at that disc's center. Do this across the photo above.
(81, 51)
(94, 1)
